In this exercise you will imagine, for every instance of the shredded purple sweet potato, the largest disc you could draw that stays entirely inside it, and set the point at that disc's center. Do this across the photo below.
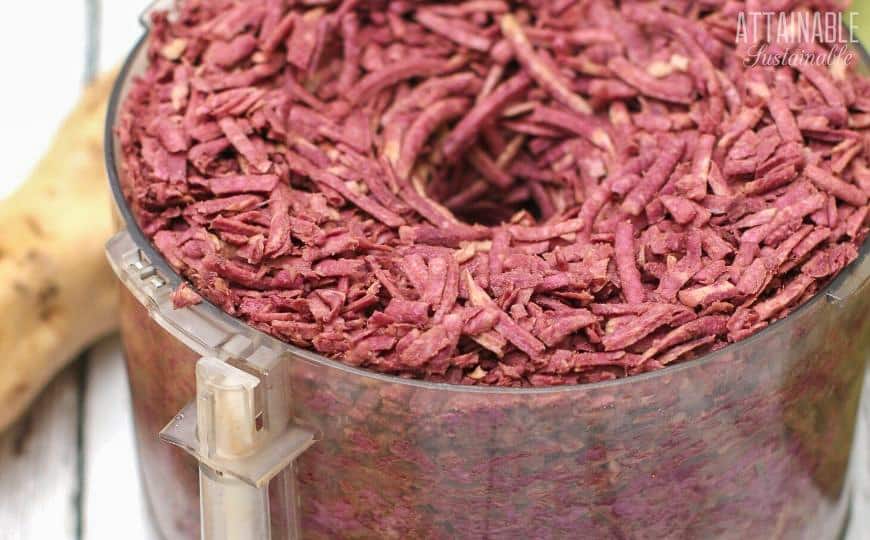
(489, 192)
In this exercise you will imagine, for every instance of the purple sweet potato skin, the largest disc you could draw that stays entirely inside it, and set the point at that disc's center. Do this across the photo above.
(751, 444)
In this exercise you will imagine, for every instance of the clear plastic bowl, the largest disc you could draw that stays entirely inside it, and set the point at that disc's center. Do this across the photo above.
(752, 441)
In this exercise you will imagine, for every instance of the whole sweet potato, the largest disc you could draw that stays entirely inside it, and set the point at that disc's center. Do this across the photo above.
(57, 293)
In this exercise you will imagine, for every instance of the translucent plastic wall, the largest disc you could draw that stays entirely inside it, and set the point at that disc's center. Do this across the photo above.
(752, 442)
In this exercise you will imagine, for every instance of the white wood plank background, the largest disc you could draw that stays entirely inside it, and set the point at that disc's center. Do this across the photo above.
(42, 446)
(68, 469)
(109, 453)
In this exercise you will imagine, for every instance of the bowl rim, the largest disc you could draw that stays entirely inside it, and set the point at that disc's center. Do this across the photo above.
(830, 291)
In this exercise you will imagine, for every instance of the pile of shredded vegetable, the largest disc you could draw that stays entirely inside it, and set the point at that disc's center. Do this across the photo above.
(492, 192)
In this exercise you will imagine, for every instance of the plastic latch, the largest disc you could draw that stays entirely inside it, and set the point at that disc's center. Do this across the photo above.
(238, 427)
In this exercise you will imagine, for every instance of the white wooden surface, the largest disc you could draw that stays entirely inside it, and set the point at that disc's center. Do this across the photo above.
(40, 447)
(111, 497)
(68, 470)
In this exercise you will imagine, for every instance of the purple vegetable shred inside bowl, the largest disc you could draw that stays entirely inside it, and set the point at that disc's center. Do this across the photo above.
(489, 192)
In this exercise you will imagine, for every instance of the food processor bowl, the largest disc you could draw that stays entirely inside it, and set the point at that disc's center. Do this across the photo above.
(750, 441)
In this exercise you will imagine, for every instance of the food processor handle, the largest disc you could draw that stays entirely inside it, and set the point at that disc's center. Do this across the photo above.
(238, 429)
(230, 509)
(238, 426)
